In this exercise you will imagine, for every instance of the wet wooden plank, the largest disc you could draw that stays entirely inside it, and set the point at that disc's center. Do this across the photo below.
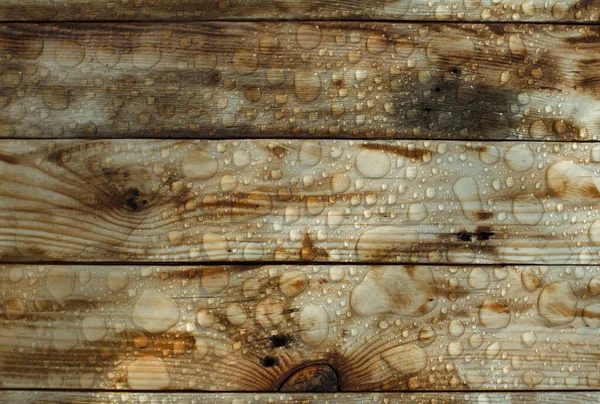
(299, 200)
(335, 79)
(45, 397)
(318, 328)
(579, 11)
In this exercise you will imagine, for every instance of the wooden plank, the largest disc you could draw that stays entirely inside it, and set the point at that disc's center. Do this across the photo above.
(177, 10)
(335, 79)
(300, 328)
(45, 397)
(294, 200)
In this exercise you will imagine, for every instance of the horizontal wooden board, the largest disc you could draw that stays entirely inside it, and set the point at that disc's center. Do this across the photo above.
(300, 328)
(300, 79)
(178, 10)
(293, 200)
(45, 397)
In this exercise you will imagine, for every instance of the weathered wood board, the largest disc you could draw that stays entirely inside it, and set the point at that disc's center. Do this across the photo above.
(46, 397)
(250, 328)
(291, 200)
(579, 11)
(300, 79)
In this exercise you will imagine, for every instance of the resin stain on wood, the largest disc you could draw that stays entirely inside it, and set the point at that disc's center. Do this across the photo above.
(580, 11)
(299, 200)
(295, 328)
(299, 79)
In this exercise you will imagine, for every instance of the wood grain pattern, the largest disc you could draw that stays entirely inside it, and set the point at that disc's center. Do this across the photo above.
(264, 328)
(178, 10)
(292, 200)
(46, 397)
(335, 79)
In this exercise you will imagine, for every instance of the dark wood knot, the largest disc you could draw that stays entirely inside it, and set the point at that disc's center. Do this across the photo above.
(311, 379)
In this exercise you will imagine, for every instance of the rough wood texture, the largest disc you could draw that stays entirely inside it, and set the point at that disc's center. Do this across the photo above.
(177, 10)
(292, 200)
(252, 328)
(46, 397)
(351, 80)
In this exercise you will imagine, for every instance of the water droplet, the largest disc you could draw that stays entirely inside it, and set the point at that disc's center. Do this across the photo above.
(395, 290)
(377, 43)
(199, 164)
(527, 209)
(245, 61)
(373, 163)
(292, 283)
(557, 303)
(215, 246)
(155, 312)
(56, 97)
(117, 279)
(60, 282)
(406, 358)
(94, 328)
(108, 55)
(310, 153)
(69, 54)
(214, 280)
(148, 373)
(269, 313)
(479, 278)
(145, 57)
(308, 36)
(205, 62)
(519, 157)
(467, 192)
(314, 325)
(493, 314)
(307, 86)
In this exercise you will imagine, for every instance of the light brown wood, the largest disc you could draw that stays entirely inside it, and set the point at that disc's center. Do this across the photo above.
(294, 200)
(46, 397)
(176, 10)
(299, 79)
(322, 328)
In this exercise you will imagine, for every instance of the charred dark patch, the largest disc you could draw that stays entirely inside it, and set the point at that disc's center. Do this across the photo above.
(483, 233)
(269, 361)
(8, 159)
(449, 105)
(312, 379)
(496, 29)
(280, 340)
(135, 201)
(452, 106)
(455, 71)
(403, 151)
(214, 78)
(464, 236)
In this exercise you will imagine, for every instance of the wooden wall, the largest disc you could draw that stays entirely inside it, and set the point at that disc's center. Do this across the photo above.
(299, 201)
